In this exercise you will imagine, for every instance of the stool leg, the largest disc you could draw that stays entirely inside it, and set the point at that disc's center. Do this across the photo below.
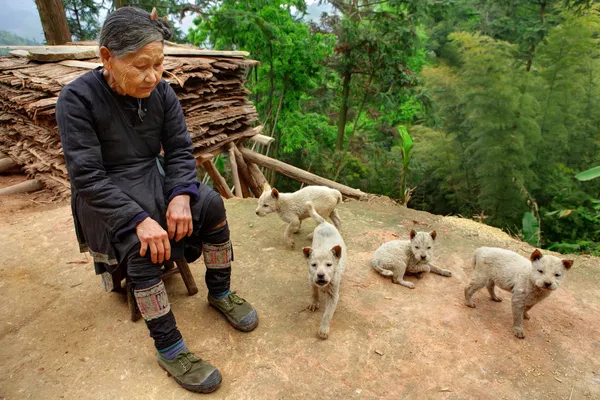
(188, 279)
(133, 308)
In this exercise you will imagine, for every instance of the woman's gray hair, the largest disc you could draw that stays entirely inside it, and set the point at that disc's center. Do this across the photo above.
(128, 29)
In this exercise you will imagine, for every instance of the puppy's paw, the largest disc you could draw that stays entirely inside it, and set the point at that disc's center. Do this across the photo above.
(291, 244)
(409, 285)
(519, 332)
(470, 304)
(525, 315)
(446, 273)
(313, 307)
(324, 333)
(497, 299)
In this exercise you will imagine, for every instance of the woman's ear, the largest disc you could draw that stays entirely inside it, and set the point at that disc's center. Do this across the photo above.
(106, 57)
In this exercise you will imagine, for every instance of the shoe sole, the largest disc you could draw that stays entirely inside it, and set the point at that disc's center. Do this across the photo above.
(245, 328)
(194, 388)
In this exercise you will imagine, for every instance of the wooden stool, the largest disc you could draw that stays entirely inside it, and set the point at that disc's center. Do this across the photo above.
(170, 268)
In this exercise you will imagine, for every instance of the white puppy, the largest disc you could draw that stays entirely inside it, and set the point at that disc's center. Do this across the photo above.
(326, 260)
(291, 207)
(530, 281)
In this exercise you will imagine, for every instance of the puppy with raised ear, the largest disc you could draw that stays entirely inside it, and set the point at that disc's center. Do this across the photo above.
(530, 280)
(326, 260)
(399, 257)
(291, 207)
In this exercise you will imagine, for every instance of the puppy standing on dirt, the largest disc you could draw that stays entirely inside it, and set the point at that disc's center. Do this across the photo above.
(530, 281)
(291, 207)
(326, 262)
(398, 257)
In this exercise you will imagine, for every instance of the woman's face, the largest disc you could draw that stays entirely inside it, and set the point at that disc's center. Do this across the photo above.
(135, 74)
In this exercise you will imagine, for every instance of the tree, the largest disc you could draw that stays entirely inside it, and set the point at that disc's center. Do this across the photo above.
(374, 39)
(82, 18)
(291, 62)
(54, 21)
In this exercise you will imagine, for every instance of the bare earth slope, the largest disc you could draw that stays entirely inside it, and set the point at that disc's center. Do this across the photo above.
(62, 336)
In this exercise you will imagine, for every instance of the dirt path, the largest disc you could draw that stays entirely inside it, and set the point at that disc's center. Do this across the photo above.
(63, 337)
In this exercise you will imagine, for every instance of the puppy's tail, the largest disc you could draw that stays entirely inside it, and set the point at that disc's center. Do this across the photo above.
(313, 213)
(377, 267)
(339, 197)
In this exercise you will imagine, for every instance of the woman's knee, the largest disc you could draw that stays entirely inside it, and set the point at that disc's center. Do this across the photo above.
(140, 269)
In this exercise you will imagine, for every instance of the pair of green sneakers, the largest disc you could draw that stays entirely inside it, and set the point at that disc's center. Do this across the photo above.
(198, 375)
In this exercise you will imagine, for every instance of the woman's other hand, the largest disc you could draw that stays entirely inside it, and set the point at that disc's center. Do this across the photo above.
(179, 217)
(152, 236)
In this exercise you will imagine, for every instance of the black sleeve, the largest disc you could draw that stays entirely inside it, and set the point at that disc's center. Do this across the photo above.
(83, 156)
(180, 164)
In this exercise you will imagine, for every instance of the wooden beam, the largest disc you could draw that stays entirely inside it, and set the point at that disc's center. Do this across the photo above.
(218, 181)
(299, 174)
(246, 175)
(234, 171)
(262, 139)
(23, 187)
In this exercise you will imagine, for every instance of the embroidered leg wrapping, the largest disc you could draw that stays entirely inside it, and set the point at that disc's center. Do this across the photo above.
(217, 258)
(152, 301)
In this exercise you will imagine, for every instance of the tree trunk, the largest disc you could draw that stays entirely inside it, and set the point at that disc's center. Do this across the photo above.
(343, 111)
(54, 21)
(120, 3)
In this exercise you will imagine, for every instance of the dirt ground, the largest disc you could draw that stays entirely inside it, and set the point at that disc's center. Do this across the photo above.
(63, 337)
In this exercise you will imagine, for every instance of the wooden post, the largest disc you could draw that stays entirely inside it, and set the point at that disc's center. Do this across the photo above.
(234, 171)
(23, 187)
(257, 174)
(300, 174)
(218, 181)
(245, 189)
(54, 21)
(245, 173)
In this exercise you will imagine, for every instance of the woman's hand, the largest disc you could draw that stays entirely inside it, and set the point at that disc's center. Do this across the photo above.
(179, 217)
(152, 236)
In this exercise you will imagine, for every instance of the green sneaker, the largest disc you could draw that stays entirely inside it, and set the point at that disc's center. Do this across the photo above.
(240, 314)
(191, 372)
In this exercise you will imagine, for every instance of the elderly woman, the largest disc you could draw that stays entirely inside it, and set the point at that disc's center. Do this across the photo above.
(134, 207)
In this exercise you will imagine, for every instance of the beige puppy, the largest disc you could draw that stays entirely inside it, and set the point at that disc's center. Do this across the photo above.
(291, 207)
(326, 260)
(530, 281)
(399, 257)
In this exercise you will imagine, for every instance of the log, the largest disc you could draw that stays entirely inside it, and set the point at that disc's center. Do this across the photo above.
(246, 175)
(218, 181)
(234, 171)
(23, 187)
(257, 174)
(262, 139)
(6, 164)
(299, 174)
(245, 189)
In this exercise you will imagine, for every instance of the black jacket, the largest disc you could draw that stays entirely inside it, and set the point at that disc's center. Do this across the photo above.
(111, 144)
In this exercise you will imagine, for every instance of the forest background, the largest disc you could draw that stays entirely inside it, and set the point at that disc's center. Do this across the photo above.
(488, 109)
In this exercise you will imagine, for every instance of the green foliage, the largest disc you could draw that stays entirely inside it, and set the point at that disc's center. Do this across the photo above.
(589, 174)
(406, 146)
(531, 229)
